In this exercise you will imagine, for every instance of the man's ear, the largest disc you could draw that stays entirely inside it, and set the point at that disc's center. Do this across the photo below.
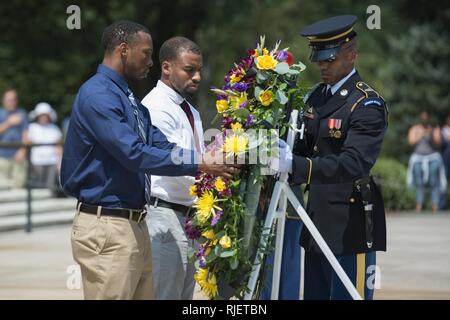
(165, 68)
(123, 49)
(354, 56)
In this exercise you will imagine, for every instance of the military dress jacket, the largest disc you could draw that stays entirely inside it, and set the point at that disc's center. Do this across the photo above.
(342, 140)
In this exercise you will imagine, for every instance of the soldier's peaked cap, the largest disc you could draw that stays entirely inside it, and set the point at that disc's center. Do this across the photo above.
(327, 36)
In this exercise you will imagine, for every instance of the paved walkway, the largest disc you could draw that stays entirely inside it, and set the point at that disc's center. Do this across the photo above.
(417, 265)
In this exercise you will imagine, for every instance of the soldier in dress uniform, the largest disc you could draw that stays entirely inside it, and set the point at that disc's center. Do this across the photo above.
(345, 122)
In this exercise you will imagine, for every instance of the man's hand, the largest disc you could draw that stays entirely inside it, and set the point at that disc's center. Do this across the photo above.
(14, 120)
(216, 163)
(20, 155)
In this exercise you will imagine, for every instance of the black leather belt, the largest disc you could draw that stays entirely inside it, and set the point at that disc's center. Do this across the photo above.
(157, 202)
(130, 214)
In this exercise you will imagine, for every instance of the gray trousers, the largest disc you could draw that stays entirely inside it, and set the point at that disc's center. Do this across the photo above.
(173, 274)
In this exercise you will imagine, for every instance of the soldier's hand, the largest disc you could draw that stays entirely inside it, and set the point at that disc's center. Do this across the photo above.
(282, 160)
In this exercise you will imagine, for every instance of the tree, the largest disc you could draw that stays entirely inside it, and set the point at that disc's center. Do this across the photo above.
(418, 72)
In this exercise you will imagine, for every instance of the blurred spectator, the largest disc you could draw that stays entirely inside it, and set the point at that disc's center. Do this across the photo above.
(45, 160)
(426, 167)
(445, 142)
(13, 126)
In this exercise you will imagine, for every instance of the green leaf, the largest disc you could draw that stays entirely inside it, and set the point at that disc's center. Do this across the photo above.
(242, 113)
(191, 252)
(218, 250)
(216, 118)
(293, 72)
(228, 253)
(261, 76)
(220, 234)
(211, 257)
(197, 264)
(282, 68)
(234, 263)
(257, 92)
(282, 86)
(281, 97)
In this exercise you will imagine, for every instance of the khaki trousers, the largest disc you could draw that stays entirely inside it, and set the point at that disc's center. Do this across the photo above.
(14, 172)
(114, 255)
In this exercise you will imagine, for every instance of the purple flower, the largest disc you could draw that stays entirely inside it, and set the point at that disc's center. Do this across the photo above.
(227, 86)
(240, 87)
(243, 105)
(227, 121)
(249, 121)
(191, 232)
(225, 193)
(282, 56)
(201, 251)
(216, 218)
(202, 262)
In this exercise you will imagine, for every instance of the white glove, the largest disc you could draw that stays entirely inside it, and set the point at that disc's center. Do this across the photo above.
(281, 162)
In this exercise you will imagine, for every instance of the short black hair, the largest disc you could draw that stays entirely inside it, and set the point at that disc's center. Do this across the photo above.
(172, 47)
(120, 32)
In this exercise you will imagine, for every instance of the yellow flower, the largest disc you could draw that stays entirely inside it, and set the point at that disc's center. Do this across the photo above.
(266, 62)
(221, 105)
(209, 234)
(207, 251)
(236, 77)
(206, 206)
(236, 126)
(265, 52)
(193, 190)
(266, 97)
(225, 242)
(207, 282)
(236, 101)
(201, 275)
(219, 184)
(210, 286)
(235, 144)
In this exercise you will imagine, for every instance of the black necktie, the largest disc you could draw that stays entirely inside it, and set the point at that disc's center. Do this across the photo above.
(324, 97)
(187, 110)
(143, 135)
(328, 95)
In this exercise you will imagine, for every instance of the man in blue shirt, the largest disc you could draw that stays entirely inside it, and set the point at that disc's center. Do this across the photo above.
(13, 126)
(110, 151)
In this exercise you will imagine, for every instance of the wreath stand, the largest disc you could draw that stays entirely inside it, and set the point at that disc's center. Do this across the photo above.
(277, 210)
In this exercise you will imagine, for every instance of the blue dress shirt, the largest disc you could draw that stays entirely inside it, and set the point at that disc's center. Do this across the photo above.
(104, 158)
(13, 134)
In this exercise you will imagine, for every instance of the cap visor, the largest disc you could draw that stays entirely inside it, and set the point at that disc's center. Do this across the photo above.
(321, 55)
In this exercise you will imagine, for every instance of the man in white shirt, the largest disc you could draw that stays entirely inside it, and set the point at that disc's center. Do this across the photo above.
(181, 63)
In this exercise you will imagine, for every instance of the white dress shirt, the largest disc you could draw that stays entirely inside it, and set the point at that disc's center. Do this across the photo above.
(335, 87)
(166, 114)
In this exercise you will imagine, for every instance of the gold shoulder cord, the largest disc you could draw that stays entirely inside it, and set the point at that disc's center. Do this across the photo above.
(310, 170)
